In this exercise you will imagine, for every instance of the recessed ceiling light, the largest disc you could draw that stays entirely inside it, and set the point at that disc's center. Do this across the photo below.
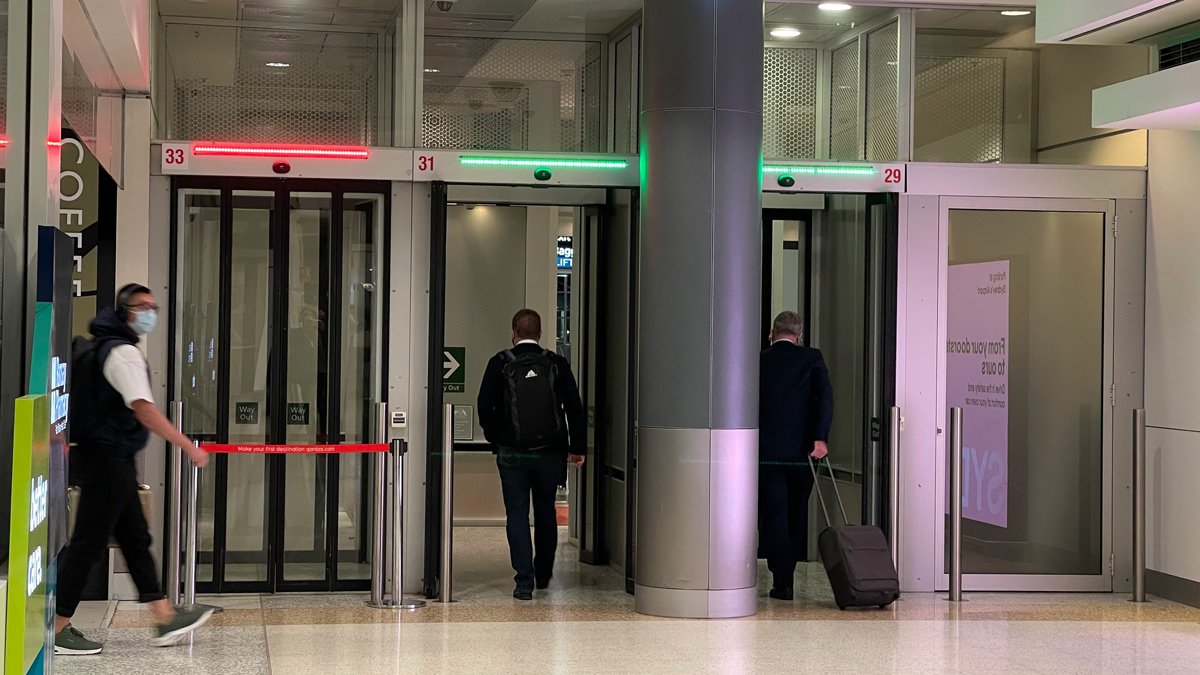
(1016, 12)
(432, 70)
(278, 64)
(785, 33)
(834, 6)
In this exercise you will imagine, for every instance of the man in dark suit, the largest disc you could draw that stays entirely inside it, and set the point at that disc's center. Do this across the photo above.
(795, 413)
(527, 467)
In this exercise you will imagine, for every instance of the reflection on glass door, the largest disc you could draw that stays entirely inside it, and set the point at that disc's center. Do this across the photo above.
(278, 341)
(1026, 361)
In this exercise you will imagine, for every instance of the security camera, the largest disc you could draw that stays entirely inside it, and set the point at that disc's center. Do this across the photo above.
(445, 5)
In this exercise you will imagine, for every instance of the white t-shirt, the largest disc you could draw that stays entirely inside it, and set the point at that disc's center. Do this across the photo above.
(125, 369)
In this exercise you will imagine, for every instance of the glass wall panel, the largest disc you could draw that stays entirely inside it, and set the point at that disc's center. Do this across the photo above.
(625, 98)
(507, 94)
(1025, 361)
(273, 85)
(883, 89)
(789, 102)
(974, 87)
(845, 141)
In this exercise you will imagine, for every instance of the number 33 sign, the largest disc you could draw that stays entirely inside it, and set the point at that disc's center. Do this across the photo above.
(175, 157)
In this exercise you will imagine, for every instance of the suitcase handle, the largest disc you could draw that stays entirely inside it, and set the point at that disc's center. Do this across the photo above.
(836, 492)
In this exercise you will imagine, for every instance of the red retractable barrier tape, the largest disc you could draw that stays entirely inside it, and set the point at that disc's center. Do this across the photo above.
(292, 449)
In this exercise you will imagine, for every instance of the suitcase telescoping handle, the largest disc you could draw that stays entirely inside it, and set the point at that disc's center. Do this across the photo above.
(836, 492)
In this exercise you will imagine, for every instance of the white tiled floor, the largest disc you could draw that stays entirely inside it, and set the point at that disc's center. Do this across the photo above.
(585, 624)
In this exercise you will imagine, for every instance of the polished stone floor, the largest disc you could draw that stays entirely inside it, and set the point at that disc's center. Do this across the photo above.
(585, 623)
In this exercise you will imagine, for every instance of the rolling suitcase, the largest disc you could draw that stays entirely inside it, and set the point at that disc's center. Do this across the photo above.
(857, 558)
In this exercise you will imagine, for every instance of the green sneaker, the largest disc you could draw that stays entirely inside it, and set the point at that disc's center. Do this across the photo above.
(70, 642)
(184, 622)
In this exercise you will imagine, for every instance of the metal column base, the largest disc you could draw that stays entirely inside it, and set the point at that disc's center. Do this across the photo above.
(407, 602)
(199, 605)
(695, 604)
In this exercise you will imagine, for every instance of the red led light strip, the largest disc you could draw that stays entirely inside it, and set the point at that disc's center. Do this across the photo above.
(263, 449)
(312, 151)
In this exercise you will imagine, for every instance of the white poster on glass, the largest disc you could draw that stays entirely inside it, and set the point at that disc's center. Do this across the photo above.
(977, 349)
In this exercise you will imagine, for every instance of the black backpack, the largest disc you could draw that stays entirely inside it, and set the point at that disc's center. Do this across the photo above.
(85, 391)
(535, 416)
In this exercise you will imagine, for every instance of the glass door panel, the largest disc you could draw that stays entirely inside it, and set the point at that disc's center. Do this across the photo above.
(307, 384)
(1026, 360)
(249, 399)
(279, 340)
(361, 313)
(199, 299)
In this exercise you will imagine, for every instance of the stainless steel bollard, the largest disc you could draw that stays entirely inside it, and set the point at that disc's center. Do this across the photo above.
(955, 460)
(1139, 505)
(447, 585)
(399, 459)
(175, 524)
(894, 486)
(378, 559)
(189, 569)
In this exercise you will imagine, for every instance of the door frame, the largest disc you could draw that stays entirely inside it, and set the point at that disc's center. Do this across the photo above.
(275, 467)
(591, 477)
(1102, 582)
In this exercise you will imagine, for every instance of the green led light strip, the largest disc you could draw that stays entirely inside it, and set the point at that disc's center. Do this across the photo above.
(533, 162)
(821, 170)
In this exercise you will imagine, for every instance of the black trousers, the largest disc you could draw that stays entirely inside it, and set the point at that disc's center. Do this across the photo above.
(783, 491)
(108, 507)
(524, 477)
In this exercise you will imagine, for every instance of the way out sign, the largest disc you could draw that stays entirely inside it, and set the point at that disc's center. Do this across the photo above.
(454, 370)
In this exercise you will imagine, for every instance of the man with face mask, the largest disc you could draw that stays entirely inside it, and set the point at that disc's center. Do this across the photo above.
(121, 417)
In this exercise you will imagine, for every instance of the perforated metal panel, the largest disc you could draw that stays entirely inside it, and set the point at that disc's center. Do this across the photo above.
(79, 98)
(959, 109)
(512, 94)
(883, 80)
(327, 94)
(789, 102)
(476, 118)
(843, 104)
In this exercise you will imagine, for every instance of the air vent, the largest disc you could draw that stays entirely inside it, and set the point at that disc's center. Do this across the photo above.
(1179, 54)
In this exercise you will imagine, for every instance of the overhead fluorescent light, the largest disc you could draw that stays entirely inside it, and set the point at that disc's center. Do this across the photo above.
(278, 64)
(432, 70)
(785, 33)
(834, 7)
(1016, 12)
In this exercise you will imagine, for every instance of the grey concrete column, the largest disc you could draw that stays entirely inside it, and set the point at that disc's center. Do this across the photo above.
(701, 243)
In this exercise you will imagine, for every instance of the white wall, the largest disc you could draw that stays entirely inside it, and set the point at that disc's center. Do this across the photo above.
(1172, 362)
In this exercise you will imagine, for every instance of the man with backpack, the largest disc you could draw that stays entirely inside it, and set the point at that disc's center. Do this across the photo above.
(112, 415)
(530, 411)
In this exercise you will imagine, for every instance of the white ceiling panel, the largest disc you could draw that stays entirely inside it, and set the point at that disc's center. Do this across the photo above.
(200, 9)
(577, 16)
(203, 52)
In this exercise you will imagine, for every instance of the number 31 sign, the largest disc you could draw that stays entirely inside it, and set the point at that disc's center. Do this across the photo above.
(175, 157)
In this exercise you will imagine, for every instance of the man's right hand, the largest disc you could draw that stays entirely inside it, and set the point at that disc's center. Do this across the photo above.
(198, 456)
(820, 449)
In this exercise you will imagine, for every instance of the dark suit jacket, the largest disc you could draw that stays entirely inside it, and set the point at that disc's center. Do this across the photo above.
(492, 416)
(795, 402)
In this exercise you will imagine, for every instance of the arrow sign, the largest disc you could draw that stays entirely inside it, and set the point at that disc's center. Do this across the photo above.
(454, 377)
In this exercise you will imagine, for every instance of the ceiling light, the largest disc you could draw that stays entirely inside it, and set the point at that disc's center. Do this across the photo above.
(278, 64)
(834, 6)
(1016, 12)
(432, 70)
(785, 33)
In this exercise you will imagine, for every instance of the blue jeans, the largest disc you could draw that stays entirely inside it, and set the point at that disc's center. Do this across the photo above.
(522, 476)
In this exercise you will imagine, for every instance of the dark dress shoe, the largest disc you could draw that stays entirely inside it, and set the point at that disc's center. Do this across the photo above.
(782, 593)
(523, 593)
(543, 584)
